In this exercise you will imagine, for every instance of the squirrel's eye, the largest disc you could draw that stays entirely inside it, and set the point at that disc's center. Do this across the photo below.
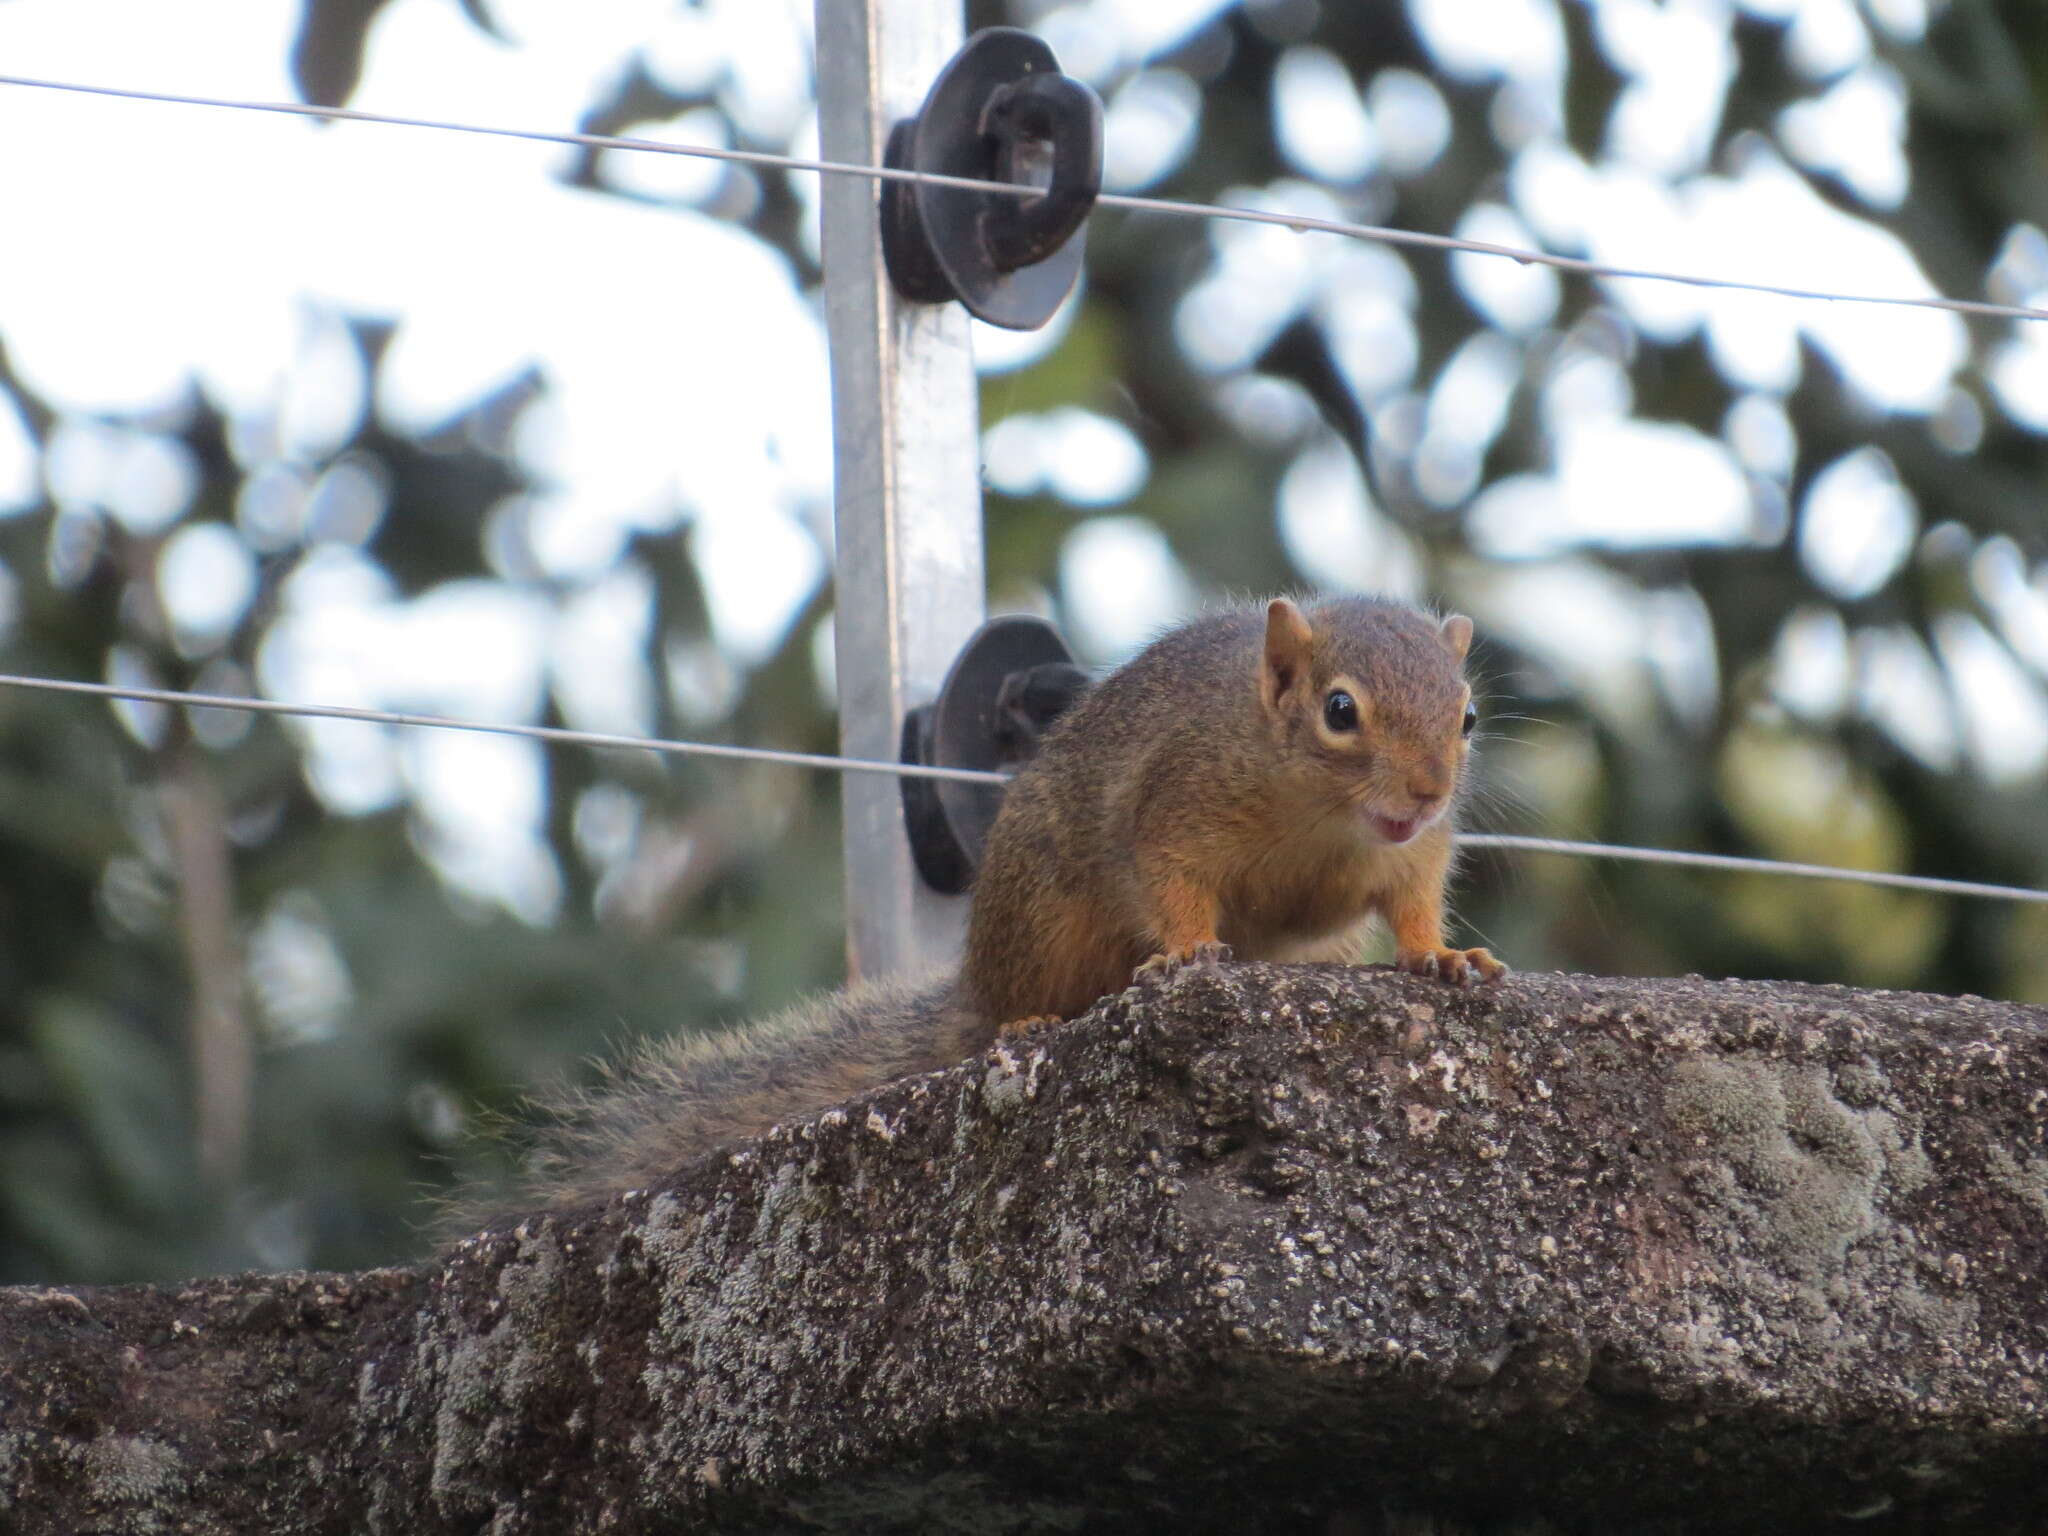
(1340, 711)
(1471, 718)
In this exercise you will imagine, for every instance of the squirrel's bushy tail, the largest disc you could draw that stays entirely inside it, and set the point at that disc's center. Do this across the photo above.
(673, 1100)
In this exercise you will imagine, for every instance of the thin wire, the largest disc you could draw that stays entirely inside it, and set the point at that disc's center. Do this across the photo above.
(499, 728)
(1759, 866)
(1298, 222)
(969, 776)
(1388, 236)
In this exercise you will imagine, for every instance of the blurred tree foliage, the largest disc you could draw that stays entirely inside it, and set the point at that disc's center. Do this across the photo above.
(381, 1014)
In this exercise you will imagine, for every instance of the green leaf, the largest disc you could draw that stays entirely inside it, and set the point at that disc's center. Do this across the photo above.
(124, 1088)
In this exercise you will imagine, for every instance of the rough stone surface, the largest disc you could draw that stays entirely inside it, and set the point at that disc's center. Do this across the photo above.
(1275, 1248)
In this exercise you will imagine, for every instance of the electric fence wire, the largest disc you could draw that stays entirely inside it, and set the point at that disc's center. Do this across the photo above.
(564, 736)
(1515, 842)
(551, 733)
(1302, 223)
(1297, 222)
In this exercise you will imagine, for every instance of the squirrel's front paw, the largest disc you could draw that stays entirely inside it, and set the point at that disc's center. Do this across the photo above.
(1018, 1027)
(1460, 967)
(1162, 967)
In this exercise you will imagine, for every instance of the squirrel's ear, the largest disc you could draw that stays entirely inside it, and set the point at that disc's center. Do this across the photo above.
(1287, 643)
(1456, 633)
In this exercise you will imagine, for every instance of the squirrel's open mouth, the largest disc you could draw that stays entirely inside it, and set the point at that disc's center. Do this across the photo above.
(1396, 829)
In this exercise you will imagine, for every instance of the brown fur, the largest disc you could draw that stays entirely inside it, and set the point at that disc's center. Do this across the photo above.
(1193, 799)
(673, 1101)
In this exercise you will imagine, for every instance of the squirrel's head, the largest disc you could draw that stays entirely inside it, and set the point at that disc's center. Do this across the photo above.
(1371, 698)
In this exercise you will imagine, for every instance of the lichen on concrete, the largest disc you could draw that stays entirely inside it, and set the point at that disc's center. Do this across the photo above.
(131, 1472)
(1274, 1248)
(2024, 1178)
(1799, 1168)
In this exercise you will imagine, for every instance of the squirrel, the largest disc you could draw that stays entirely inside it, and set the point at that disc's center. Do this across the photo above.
(1256, 784)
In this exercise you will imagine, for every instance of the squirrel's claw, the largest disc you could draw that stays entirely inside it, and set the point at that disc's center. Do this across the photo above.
(1459, 967)
(1165, 965)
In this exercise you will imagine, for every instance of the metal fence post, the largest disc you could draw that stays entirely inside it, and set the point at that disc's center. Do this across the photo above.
(905, 426)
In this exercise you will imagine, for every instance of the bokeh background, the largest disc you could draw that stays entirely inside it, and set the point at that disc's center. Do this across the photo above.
(403, 419)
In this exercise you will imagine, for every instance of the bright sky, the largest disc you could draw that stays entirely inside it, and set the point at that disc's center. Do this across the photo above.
(180, 246)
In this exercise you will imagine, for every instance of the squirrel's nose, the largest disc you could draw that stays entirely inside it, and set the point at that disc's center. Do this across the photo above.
(1429, 790)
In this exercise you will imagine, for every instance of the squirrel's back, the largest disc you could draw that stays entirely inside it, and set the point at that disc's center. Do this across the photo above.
(1188, 704)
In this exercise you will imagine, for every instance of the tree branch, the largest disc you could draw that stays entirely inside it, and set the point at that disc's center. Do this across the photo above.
(223, 1055)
